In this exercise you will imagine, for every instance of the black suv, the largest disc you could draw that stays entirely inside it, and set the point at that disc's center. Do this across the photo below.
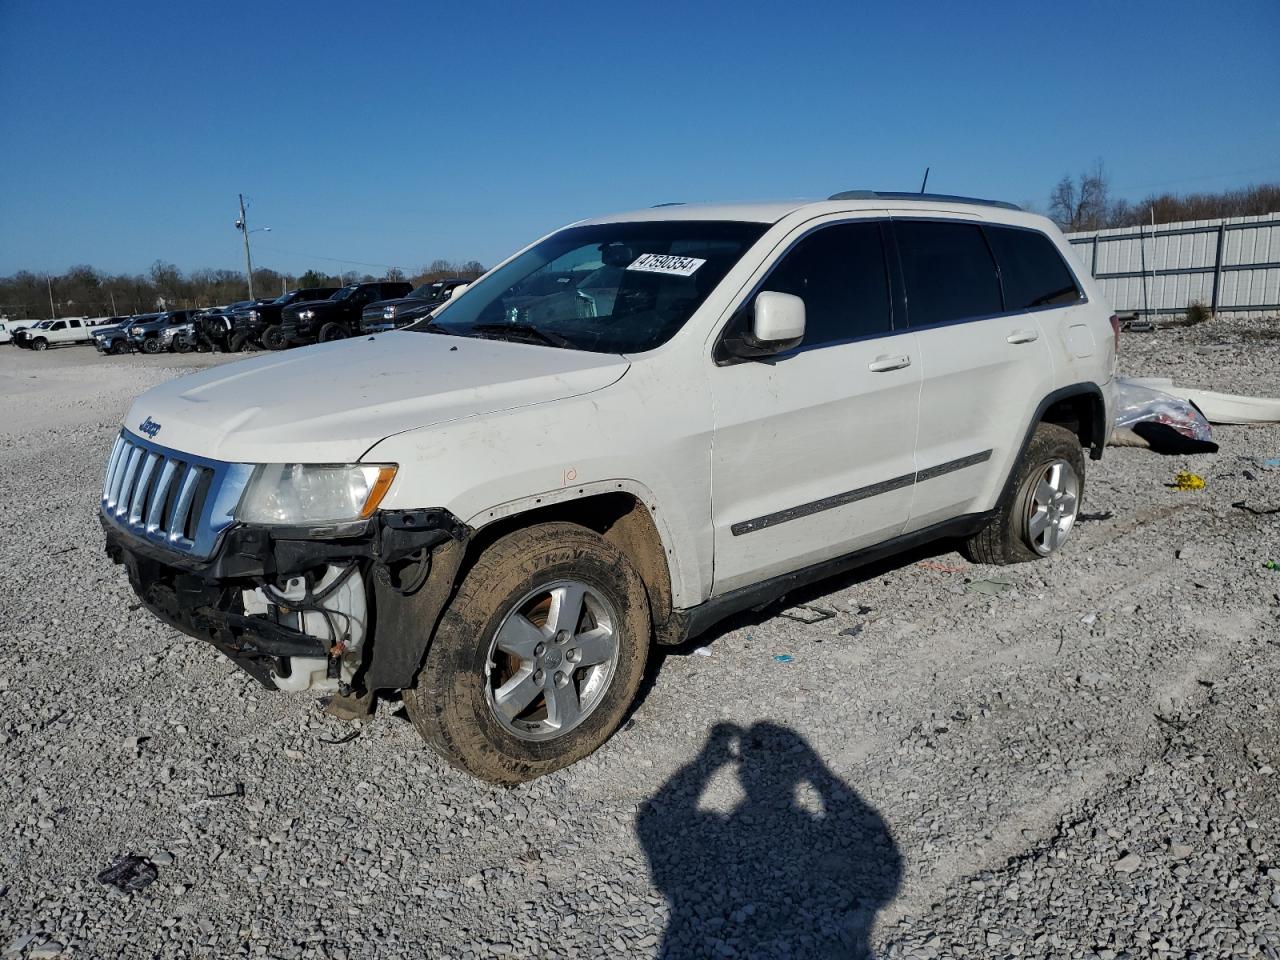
(393, 314)
(319, 321)
(257, 324)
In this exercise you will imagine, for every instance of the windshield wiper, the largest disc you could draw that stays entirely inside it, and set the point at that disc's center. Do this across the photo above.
(523, 331)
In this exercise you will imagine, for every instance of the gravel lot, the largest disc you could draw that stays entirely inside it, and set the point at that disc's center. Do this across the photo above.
(1080, 764)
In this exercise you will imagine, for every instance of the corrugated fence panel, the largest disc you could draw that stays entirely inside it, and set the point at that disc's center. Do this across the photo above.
(1163, 269)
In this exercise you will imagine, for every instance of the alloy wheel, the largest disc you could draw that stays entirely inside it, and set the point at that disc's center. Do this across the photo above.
(551, 660)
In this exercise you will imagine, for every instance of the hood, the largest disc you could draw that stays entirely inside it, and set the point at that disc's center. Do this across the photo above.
(331, 402)
(319, 306)
(379, 305)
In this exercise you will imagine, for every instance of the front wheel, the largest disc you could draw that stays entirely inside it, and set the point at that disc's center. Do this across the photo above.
(538, 657)
(1037, 517)
(273, 337)
(152, 345)
(40, 343)
(331, 332)
(119, 348)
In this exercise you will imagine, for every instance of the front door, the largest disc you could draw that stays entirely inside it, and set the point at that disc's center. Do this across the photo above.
(813, 454)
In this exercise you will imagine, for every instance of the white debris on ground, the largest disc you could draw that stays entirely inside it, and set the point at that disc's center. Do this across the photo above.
(1079, 761)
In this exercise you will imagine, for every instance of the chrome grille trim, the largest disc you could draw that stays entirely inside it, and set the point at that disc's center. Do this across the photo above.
(172, 499)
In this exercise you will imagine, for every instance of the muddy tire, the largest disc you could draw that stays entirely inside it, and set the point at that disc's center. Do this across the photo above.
(273, 338)
(537, 658)
(1035, 520)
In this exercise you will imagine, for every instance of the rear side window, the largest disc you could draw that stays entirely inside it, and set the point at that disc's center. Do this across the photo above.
(1031, 268)
(948, 271)
(839, 273)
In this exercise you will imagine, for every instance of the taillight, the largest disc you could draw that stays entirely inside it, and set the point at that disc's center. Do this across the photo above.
(1115, 330)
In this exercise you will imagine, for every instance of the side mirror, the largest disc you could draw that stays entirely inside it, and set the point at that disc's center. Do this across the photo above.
(776, 324)
(458, 290)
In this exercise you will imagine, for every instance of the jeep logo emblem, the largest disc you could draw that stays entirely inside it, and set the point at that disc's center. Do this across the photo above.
(149, 427)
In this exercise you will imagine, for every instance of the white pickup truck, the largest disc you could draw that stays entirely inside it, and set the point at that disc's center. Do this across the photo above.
(9, 328)
(50, 333)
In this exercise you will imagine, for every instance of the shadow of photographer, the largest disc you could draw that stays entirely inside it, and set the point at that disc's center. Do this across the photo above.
(797, 868)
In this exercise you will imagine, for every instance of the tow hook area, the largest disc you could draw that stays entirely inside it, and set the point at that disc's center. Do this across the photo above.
(330, 605)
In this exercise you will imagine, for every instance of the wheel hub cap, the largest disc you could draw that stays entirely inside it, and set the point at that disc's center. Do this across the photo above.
(1054, 502)
(552, 660)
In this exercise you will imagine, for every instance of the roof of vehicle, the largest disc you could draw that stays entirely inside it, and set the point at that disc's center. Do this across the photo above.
(771, 211)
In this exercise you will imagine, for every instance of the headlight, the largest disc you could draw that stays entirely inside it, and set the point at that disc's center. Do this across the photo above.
(293, 493)
(389, 313)
(253, 314)
(306, 314)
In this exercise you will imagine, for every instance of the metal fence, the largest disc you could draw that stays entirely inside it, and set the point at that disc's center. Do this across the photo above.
(1231, 266)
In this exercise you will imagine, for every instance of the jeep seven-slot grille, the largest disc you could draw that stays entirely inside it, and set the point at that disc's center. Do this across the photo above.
(170, 498)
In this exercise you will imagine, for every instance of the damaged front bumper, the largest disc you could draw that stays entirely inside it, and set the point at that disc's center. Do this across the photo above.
(349, 607)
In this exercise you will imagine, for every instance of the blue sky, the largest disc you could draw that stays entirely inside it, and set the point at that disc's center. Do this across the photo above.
(395, 133)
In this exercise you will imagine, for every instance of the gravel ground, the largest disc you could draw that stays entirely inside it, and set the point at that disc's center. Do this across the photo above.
(1078, 763)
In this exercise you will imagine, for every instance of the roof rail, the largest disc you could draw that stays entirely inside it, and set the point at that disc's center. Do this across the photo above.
(935, 197)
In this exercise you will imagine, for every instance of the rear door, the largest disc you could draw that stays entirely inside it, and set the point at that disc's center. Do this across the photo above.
(984, 369)
(813, 450)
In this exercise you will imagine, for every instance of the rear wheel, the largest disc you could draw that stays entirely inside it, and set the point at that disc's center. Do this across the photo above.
(538, 657)
(332, 331)
(182, 346)
(1038, 516)
(273, 337)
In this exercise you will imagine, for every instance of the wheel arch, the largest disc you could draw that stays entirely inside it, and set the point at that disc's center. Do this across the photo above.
(1080, 408)
(623, 512)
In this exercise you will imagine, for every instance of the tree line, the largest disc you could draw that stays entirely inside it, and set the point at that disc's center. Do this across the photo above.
(85, 291)
(1085, 202)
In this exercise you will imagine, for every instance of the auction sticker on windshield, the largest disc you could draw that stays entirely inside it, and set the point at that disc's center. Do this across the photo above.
(665, 263)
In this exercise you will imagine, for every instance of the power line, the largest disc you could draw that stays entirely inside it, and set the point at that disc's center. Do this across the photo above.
(316, 256)
(1207, 176)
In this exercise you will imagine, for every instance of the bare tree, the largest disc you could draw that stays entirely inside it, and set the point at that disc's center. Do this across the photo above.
(1083, 203)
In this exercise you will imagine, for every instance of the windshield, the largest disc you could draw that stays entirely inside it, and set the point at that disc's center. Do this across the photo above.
(612, 288)
(428, 291)
(344, 293)
(285, 297)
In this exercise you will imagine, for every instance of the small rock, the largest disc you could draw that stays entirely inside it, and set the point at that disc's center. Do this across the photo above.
(1127, 864)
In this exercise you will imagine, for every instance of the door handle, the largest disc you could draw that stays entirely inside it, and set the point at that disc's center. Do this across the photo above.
(882, 364)
(1023, 336)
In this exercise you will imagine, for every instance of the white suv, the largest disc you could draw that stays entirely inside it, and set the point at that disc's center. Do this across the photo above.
(625, 432)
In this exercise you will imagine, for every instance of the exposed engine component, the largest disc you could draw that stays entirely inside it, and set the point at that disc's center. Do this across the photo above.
(333, 607)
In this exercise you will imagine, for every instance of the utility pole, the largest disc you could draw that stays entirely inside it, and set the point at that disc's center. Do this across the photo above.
(48, 283)
(243, 224)
(112, 294)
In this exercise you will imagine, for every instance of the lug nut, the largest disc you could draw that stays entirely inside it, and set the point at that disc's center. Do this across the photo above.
(540, 649)
(561, 679)
(573, 655)
(562, 637)
(539, 676)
